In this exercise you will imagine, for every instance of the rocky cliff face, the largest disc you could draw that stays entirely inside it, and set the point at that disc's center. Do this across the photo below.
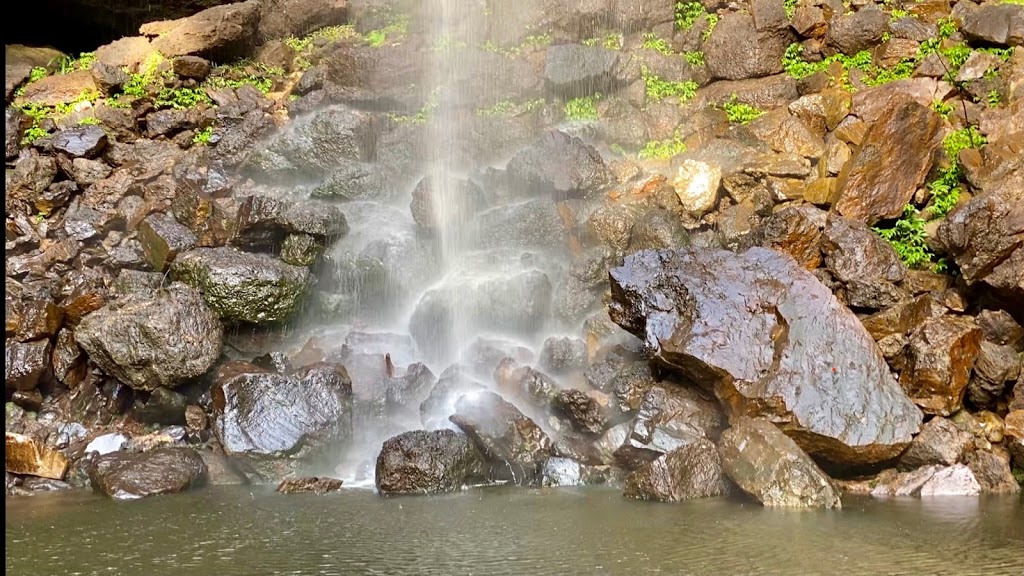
(747, 246)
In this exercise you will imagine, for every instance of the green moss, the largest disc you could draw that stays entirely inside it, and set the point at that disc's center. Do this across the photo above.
(181, 98)
(740, 113)
(582, 109)
(390, 33)
(659, 89)
(663, 148)
(202, 137)
(89, 121)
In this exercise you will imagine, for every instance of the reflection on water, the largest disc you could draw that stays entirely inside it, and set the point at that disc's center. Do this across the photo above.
(235, 531)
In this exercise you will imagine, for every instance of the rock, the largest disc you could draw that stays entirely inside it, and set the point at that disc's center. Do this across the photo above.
(106, 444)
(995, 367)
(163, 238)
(86, 172)
(999, 327)
(940, 355)
(999, 24)
(867, 264)
(940, 442)
(955, 480)
(454, 382)
(860, 30)
(191, 67)
(44, 485)
(563, 354)
(756, 326)
(26, 364)
(985, 237)
(81, 141)
(264, 222)
(769, 466)
(109, 79)
(992, 472)
(284, 18)
(129, 476)
(796, 230)
(513, 445)
(747, 46)
(1014, 436)
(421, 462)
(39, 319)
(25, 455)
(560, 165)
(696, 183)
(315, 145)
(15, 123)
(57, 89)
(163, 407)
(152, 339)
(268, 414)
(584, 413)
(610, 226)
(573, 70)
(693, 471)
(667, 419)
(461, 199)
(318, 485)
(242, 286)
(222, 32)
(893, 161)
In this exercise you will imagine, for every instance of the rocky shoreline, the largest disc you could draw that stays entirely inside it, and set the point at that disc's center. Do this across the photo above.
(765, 248)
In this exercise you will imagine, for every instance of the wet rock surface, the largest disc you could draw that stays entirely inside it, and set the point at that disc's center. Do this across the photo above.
(318, 485)
(693, 471)
(129, 476)
(422, 462)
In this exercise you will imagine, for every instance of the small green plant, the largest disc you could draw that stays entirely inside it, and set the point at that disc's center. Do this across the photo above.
(943, 109)
(582, 109)
(181, 98)
(993, 99)
(611, 41)
(509, 108)
(695, 58)
(652, 42)
(422, 116)
(740, 113)
(202, 137)
(35, 131)
(687, 14)
(303, 46)
(243, 73)
(138, 84)
(537, 41)
(712, 22)
(908, 239)
(659, 89)
(897, 13)
(85, 60)
(88, 121)
(790, 6)
(37, 73)
(661, 149)
(946, 187)
(395, 30)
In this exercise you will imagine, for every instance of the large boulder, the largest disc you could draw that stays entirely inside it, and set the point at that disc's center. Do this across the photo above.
(560, 165)
(270, 416)
(25, 455)
(940, 442)
(770, 340)
(749, 46)
(513, 445)
(891, 163)
(128, 476)
(242, 286)
(693, 471)
(222, 33)
(668, 419)
(421, 462)
(149, 339)
(265, 222)
(284, 18)
(940, 355)
(572, 70)
(997, 24)
(768, 465)
(860, 30)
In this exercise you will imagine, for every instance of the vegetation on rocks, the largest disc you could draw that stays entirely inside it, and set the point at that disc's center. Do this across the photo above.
(740, 113)
(660, 89)
(582, 109)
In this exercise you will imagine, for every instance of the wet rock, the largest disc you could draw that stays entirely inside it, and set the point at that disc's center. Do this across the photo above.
(668, 419)
(564, 472)
(26, 364)
(998, 327)
(584, 413)
(940, 355)
(106, 444)
(269, 417)
(525, 383)
(440, 403)
(611, 226)
(15, 123)
(655, 229)
(511, 443)
(25, 455)
(318, 485)
(573, 70)
(693, 471)
(129, 476)
(222, 32)
(769, 466)
(696, 184)
(748, 46)
(900, 319)
(264, 222)
(560, 165)
(535, 224)
(797, 345)
(152, 339)
(955, 480)
(242, 286)
(38, 319)
(460, 198)
(81, 141)
(163, 407)
(44, 485)
(31, 400)
(867, 264)
(992, 472)
(940, 442)
(893, 161)
(796, 230)
(86, 172)
(1014, 436)
(421, 462)
(563, 354)
(999, 24)
(995, 367)
(860, 30)
(315, 145)
(163, 238)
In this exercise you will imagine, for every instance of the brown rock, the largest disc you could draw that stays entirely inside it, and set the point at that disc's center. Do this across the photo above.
(940, 356)
(940, 442)
(796, 230)
(1013, 436)
(993, 472)
(125, 52)
(900, 318)
(26, 364)
(892, 162)
(38, 319)
(192, 67)
(693, 471)
(224, 32)
(54, 90)
(318, 485)
(999, 24)
(861, 30)
(995, 367)
(863, 261)
(742, 47)
(27, 456)
(163, 238)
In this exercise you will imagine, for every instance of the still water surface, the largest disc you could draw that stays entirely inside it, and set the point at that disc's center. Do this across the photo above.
(234, 531)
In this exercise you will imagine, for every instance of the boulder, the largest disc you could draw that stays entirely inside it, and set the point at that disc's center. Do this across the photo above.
(667, 420)
(223, 33)
(584, 413)
(285, 18)
(265, 222)
(770, 340)
(25, 455)
(318, 485)
(693, 471)
(163, 238)
(796, 230)
(559, 165)
(315, 145)
(747, 46)
(269, 416)
(572, 70)
(939, 358)
(940, 442)
(243, 286)
(857, 31)
(80, 142)
(563, 354)
(997, 24)
(769, 466)
(955, 480)
(992, 471)
(421, 462)
(129, 476)
(513, 445)
(563, 471)
(149, 339)
(164, 406)
(864, 262)
(191, 67)
(57, 89)
(26, 364)
(440, 203)
(995, 367)
(696, 184)
(890, 164)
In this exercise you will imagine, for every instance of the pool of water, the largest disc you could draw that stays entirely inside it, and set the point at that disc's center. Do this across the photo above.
(242, 531)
